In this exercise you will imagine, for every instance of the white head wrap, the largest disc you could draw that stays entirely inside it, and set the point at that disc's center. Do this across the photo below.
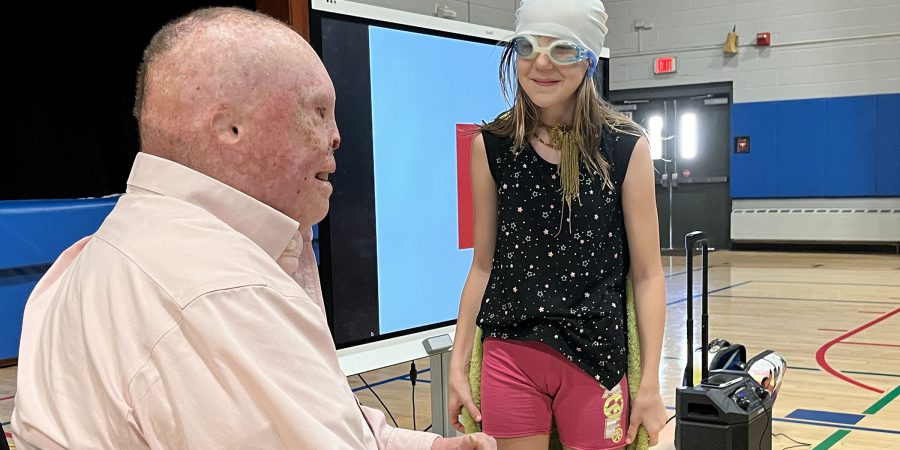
(580, 21)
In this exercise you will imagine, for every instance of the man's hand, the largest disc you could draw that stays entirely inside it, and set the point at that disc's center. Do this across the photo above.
(474, 441)
(647, 409)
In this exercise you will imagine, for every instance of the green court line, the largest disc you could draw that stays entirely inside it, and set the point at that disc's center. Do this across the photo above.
(883, 401)
(840, 434)
(831, 440)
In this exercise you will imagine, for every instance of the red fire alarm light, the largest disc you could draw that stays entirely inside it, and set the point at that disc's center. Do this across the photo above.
(664, 65)
(742, 144)
(763, 39)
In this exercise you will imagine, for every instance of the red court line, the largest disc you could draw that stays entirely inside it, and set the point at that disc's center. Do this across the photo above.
(820, 353)
(831, 329)
(876, 344)
(7, 398)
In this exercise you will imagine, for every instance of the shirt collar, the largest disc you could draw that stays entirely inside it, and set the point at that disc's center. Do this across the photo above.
(266, 227)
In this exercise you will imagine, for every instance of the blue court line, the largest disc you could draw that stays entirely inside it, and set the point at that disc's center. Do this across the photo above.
(825, 416)
(397, 378)
(418, 380)
(836, 425)
(716, 290)
(824, 424)
(685, 271)
(822, 300)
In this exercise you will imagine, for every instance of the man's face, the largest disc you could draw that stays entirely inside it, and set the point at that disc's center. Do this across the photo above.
(299, 135)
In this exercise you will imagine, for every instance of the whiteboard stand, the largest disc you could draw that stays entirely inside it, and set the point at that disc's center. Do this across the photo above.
(440, 390)
(380, 354)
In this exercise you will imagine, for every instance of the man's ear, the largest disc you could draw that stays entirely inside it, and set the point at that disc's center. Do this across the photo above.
(227, 126)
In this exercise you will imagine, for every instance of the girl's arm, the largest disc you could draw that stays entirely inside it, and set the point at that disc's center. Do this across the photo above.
(484, 196)
(642, 228)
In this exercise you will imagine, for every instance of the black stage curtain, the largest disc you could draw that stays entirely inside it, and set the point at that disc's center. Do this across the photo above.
(70, 91)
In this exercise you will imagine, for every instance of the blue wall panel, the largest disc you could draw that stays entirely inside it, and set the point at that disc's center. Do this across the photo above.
(800, 148)
(751, 173)
(887, 145)
(32, 235)
(829, 147)
(14, 292)
(850, 146)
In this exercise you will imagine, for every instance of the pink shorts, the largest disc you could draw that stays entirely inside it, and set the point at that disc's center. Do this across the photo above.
(527, 384)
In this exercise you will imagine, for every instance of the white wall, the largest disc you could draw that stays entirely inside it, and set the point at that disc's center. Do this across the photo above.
(798, 65)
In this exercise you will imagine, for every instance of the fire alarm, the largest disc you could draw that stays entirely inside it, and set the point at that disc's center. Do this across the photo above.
(742, 144)
(763, 39)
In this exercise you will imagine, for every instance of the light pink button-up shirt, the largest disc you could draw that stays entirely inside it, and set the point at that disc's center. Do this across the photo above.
(192, 319)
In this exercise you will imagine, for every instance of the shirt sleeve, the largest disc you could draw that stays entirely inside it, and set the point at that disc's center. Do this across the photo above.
(390, 438)
(253, 367)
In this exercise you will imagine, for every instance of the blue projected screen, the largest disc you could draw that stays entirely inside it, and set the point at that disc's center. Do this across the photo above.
(396, 246)
(422, 88)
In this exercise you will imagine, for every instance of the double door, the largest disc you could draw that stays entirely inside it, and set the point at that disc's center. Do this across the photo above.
(689, 133)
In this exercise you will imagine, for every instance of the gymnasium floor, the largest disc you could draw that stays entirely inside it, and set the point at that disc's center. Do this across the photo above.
(835, 318)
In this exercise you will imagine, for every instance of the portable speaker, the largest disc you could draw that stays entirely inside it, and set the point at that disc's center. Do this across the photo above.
(729, 409)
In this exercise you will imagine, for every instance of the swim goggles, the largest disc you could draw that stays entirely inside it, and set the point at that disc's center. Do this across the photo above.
(560, 51)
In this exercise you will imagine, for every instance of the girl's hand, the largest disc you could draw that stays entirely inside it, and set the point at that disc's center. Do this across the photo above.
(460, 396)
(647, 409)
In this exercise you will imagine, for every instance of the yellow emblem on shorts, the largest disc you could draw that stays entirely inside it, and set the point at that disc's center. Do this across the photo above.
(617, 435)
(613, 406)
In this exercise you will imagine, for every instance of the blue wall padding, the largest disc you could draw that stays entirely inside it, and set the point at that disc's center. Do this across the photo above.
(887, 144)
(800, 149)
(37, 231)
(753, 174)
(828, 147)
(14, 291)
(850, 164)
(34, 233)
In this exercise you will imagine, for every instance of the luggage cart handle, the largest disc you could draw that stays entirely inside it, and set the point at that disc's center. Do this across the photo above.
(691, 240)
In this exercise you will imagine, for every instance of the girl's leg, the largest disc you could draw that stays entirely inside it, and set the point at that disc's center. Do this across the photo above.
(539, 442)
(589, 417)
(515, 405)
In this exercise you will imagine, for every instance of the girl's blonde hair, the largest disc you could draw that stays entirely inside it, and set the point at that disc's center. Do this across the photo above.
(592, 115)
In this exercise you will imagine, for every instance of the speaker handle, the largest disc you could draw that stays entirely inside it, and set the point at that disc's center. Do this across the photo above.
(690, 243)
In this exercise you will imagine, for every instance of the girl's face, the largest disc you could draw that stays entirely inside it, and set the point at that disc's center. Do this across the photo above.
(548, 84)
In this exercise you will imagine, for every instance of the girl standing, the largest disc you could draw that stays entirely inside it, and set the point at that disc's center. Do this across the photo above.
(564, 202)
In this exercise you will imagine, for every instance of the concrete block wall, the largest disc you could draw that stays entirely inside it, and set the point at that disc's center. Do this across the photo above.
(821, 48)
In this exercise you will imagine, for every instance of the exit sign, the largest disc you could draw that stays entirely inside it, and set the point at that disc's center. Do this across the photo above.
(664, 65)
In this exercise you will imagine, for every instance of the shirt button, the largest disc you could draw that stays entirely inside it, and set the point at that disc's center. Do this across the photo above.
(292, 245)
